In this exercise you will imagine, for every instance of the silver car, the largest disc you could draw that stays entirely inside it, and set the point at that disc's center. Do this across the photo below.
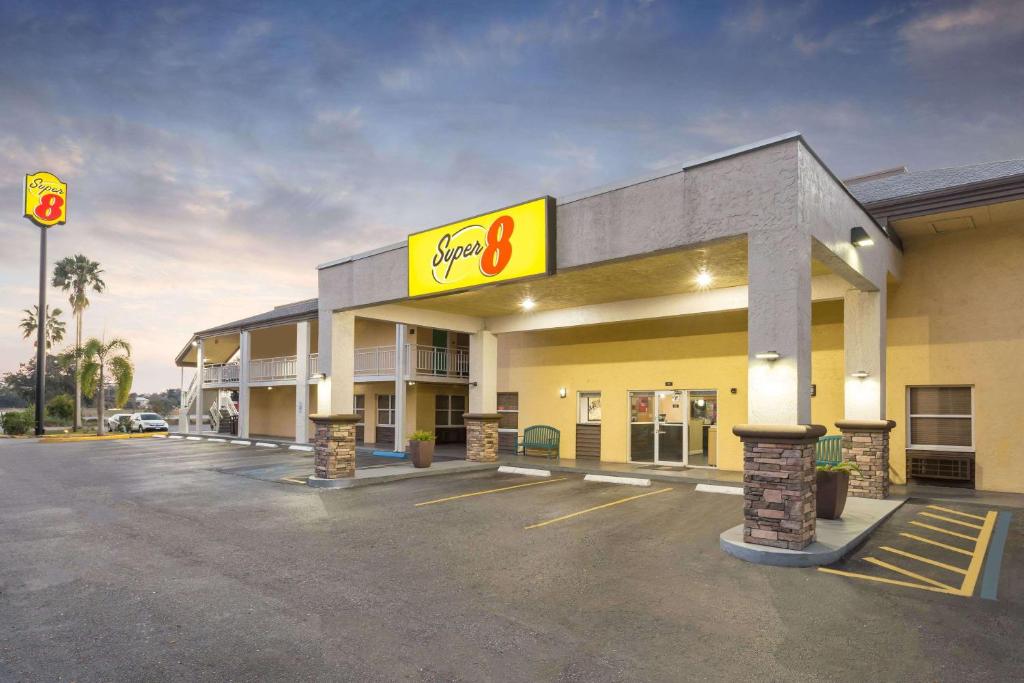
(148, 422)
(114, 421)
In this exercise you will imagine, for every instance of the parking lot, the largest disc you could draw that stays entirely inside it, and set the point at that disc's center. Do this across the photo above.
(154, 559)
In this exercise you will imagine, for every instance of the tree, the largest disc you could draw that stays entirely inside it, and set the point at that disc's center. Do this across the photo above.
(61, 407)
(54, 332)
(77, 275)
(21, 384)
(99, 356)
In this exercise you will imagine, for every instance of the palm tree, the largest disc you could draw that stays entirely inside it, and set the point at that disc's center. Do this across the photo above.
(77, 275)
(54, 332)
(97, 357)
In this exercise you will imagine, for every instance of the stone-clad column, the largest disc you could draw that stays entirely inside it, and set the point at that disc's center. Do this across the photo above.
(334, 446)
(481, 436)
(779, 484)
(866, 444)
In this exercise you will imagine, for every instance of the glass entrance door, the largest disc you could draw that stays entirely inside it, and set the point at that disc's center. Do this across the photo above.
(657, 426)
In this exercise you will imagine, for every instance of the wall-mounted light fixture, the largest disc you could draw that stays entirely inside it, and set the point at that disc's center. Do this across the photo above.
(321, 375)
(767, 355)
(859, 237)
(561, 392)
(472, 384)
(195, 343)
(860, 374)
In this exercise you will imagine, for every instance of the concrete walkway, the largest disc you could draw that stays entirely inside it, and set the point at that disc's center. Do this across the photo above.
(687, 475)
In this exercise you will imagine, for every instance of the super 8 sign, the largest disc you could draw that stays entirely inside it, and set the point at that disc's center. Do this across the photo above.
(46, 199)
(507, 244)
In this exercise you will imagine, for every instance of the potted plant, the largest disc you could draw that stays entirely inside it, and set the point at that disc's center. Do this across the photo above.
(833, 485)
(421, 448)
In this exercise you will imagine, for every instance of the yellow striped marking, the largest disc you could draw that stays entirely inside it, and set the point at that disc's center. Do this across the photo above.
(926, 560)
(956, 512)
(944, 531)
(880, 579)
(293, 481)
(943, 518)
(922, 539)
(77, 438)
(498, 490)
(597, 507)
(907, 572)
(974, 569)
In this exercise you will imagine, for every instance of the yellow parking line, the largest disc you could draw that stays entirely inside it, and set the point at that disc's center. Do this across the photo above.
(979, 555)
(951, 520)
(968, 553)
(880, 579)
(944, 531)
(293, 481)
(480, 493)
(957, 512)
(926, 560)
(905, 572)
(597, 507)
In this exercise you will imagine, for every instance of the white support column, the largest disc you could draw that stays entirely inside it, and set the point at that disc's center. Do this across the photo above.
(864, 342)
(401, 371)
(244, 356)
(301, 381)
(483, 373)
(182, 408)
(199, 387)
(334, 394)
(779, 320)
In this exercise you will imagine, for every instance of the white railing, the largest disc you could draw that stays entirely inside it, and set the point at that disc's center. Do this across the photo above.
(436, 361)
(269, 369)
(190, 394)
(221, 373)
(314, 364)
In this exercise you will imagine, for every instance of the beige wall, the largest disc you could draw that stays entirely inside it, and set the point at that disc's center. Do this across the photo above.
(271, 342)
(374, 333)
(957, 317)
(695, 352)
(272, 411)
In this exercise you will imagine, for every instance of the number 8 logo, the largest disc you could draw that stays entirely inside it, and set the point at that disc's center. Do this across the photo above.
(50, 207)
(497, 248)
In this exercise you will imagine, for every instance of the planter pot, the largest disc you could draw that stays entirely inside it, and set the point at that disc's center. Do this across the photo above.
(832, 488)
(421, 453)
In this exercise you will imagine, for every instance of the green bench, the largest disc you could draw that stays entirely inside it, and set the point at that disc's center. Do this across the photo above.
(539, 438)
(829, 450)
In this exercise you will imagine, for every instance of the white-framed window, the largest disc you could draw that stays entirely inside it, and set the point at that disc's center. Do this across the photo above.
(508, 411)
(588, 409)
(386, 410)
(359, 408)
(448, 410)
(940, 418)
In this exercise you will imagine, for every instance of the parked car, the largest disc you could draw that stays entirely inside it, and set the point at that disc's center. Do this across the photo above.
(148, 422)
(114, 421)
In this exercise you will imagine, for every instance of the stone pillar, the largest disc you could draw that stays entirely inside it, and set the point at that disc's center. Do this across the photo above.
(481, 437)
(866, 444)
(779, 484)
(334, 446)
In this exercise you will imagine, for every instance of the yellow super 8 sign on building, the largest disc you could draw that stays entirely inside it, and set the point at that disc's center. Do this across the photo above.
(503, 245)
(46, 199)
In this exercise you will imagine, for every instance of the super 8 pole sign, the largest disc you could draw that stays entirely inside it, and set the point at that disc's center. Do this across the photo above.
(508, 244)
(46, 199)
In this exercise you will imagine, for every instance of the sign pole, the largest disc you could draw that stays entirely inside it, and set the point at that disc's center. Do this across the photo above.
(41, 336)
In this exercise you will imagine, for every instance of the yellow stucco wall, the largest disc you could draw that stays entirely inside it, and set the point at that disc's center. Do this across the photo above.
(272, 411)
(957, 317)
(695, 352)
(272, 342)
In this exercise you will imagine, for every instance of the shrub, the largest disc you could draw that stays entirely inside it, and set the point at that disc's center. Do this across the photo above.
(19, 422)
(422, 436)
(61, 407)
(844, 466)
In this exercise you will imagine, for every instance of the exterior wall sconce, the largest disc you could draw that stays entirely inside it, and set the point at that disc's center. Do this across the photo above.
(321, 375)
(561, 393)
(859, 237)
(195, 343)
(472, 384)
(860, 374)
(767, 355)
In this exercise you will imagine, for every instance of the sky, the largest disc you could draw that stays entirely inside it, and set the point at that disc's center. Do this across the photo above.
(216, 152)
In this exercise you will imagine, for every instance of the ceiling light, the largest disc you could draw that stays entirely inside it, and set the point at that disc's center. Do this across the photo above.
(527, 304)
(860, 374)
(195, 343)
(767, 355)
(704, 279)
(859, 237)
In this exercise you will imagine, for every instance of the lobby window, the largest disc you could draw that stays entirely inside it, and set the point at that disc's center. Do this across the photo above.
(359, 407)
(508, 421)
(589, 408)
(386, 410)
(940, 418)
(448, 410)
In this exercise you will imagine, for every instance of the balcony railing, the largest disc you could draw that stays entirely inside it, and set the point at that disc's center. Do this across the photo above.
(260, 370)
(314, 364)
(435, 361)
(221, 373)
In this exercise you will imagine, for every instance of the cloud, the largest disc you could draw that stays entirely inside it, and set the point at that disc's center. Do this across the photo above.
(978, 24)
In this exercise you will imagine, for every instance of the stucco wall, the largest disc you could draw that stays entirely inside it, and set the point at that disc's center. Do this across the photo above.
(695, 352)
(272, 411)
(958, 318)
(272, 342)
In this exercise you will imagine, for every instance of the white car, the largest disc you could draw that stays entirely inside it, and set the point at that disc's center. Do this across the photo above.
(148, 422)
(114, 421)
